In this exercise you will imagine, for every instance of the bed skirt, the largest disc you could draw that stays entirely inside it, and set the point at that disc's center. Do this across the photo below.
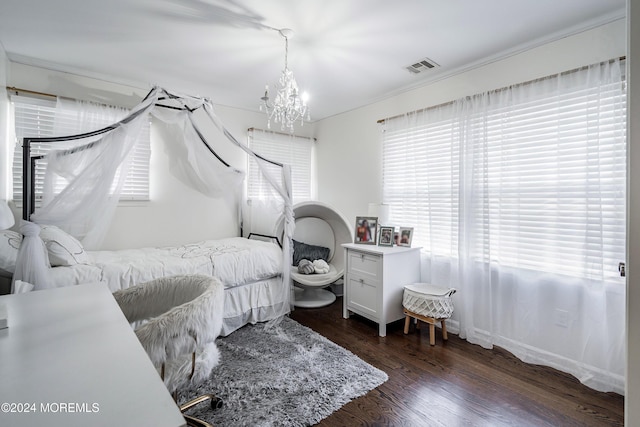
(254, 302)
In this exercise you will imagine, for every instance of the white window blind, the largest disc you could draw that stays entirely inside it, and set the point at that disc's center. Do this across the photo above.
(525, 177)
(35, 117)
(420, 183)
(296, 151)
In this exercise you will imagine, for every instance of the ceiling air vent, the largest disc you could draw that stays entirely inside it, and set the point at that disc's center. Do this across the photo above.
(422, 65)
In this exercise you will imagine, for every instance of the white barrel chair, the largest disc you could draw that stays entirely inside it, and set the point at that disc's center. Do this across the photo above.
(321, 225)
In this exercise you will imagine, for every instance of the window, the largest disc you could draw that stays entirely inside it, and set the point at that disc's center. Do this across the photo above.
(532, 176)
(36, 117)
(296, 151)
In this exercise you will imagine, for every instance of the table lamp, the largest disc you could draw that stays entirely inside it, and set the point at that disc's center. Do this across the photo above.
(381, 211)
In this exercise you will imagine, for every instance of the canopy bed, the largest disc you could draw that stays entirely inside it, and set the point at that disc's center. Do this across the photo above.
(57, 240)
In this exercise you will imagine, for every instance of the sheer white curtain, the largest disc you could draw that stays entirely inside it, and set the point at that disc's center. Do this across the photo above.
(191, 161)
(518, 198)
(73, 116)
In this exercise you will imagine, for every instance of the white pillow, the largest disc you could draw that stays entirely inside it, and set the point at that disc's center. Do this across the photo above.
(9, 245)
(20, 287)
(63, 248)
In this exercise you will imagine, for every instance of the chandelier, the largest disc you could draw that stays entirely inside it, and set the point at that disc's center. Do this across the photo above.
(288, 106)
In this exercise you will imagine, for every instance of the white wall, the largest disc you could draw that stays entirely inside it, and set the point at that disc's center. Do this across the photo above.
(73, 86)
(632, 395)
(349, 150)
(176, 214)
(4, 111)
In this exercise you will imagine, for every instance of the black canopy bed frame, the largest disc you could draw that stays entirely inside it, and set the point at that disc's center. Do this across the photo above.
(254, 294)
(29, 161)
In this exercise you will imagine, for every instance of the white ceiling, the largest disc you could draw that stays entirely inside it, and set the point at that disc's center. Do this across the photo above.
(344, 53)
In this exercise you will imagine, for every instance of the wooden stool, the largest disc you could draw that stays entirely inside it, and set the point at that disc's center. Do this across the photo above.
(432, 325)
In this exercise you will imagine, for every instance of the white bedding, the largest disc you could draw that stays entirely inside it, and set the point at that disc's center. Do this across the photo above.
(235, 261)
(251, 271)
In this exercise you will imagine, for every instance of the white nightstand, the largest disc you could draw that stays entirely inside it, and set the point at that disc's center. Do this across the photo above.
(374, 281)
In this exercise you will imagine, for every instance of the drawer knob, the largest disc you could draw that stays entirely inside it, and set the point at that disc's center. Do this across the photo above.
(361, 280)
(362, 256)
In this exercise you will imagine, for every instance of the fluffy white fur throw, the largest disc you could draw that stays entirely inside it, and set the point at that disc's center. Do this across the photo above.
(182, 314)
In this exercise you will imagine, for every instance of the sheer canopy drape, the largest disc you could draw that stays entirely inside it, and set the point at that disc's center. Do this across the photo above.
(518, 198)
(83, 184)
(94, 171)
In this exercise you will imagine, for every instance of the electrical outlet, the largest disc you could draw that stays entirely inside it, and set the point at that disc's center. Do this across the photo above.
(562, 318)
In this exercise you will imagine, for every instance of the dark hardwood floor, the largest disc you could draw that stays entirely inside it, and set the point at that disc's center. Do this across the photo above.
(455, 383)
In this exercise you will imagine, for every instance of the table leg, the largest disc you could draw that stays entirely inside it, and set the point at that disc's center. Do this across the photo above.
(432, 334)
(383, 330)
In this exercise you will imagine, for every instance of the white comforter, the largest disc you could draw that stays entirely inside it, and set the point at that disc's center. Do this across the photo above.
(235, 261)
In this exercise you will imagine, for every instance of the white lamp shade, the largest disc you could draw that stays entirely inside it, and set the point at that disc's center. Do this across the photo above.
(381, 211)
(6, 216)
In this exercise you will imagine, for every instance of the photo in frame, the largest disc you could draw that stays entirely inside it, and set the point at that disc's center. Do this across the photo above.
(386, 236)
(366, 227)
(406, 234)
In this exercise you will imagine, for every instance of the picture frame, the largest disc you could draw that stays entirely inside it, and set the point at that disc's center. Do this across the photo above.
(366, 230)
(396, 238)
(406, 235)
(386, 236)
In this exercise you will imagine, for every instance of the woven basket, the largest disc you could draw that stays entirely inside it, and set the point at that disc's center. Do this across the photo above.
(428, 300)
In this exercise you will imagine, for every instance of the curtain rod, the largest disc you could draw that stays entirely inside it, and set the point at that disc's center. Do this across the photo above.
(381, 121)
(18, 91)
(283, 133)
(32, 92)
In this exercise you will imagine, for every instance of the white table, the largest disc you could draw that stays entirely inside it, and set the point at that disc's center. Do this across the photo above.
(70, 358)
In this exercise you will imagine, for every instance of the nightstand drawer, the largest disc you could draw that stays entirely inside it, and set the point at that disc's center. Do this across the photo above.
(362, 296)
(364, 265)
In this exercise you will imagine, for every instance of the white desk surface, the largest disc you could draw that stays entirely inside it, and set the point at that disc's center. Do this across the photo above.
(70, 358)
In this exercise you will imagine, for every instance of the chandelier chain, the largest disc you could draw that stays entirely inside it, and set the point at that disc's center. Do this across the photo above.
(286, 53)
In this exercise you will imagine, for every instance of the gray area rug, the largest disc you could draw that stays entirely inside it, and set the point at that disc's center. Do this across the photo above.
(282, 374)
